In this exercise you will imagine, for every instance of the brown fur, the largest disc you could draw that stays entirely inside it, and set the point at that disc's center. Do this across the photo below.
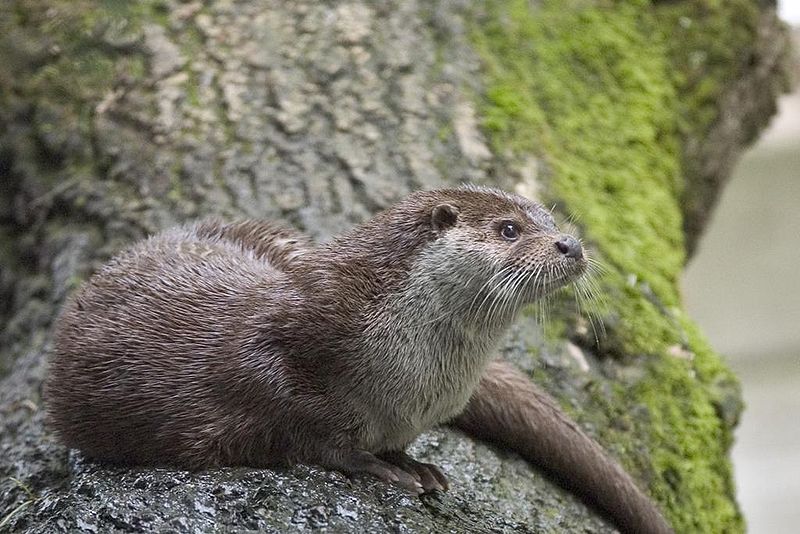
(245, 344)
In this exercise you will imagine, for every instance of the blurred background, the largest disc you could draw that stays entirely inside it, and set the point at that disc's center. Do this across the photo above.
(743, 287)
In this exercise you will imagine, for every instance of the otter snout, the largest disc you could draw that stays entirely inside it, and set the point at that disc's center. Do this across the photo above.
(570, 247)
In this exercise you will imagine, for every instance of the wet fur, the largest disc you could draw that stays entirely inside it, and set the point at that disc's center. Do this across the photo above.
(245, 344)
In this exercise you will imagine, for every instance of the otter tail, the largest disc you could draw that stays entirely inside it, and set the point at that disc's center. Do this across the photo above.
(510, 410)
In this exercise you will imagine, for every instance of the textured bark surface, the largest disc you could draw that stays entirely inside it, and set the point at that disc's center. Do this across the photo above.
(719, 119)
(120, 119)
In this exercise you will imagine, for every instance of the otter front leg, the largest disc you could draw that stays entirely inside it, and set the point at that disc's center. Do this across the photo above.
(429, 475)
(358, 461)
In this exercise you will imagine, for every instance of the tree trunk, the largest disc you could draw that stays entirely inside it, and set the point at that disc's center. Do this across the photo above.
(123, 118)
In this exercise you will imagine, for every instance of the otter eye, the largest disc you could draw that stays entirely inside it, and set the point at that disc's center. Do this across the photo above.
(509, 231)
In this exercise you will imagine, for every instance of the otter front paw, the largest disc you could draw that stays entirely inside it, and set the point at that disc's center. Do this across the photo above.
(429, 475)
(366, 462)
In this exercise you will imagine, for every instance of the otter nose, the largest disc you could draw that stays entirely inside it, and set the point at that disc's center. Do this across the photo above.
(570, 247)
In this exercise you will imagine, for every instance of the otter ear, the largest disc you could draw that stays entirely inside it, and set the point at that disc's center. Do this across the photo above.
(443, 217)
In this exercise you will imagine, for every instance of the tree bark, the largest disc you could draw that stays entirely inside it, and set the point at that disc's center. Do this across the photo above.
(121, 119)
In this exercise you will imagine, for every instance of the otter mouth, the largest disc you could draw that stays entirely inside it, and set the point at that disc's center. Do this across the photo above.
(514, 286)
(543, 283)
(567, 277)
(548, 285)
(557, 283)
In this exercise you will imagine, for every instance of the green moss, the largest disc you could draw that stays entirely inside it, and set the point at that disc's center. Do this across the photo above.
(192, 91)
(588, 87)
(709, 43)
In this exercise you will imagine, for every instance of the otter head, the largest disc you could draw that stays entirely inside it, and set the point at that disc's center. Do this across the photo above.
(504, 245)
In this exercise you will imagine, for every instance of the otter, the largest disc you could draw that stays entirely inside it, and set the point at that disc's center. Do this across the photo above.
(220, 344)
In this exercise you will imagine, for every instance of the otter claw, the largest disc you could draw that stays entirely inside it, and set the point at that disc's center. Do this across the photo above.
(429, 475)
(365, 462)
